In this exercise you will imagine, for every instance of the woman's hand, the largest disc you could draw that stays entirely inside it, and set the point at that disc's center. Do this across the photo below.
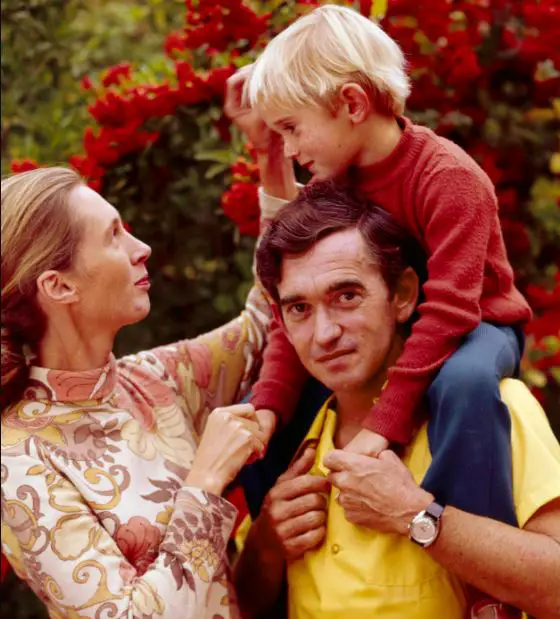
(231, 436)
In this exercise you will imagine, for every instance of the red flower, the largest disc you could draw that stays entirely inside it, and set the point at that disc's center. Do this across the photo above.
(139, 542)
(217, 78)
(516, 237)
(23, 165)
(117, 74)
(241, 205)
(86, 83)
(175, 42)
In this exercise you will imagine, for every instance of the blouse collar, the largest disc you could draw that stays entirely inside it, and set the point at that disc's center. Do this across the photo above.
(65, 386)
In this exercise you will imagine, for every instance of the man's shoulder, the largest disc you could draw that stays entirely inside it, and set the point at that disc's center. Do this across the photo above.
(527, 415)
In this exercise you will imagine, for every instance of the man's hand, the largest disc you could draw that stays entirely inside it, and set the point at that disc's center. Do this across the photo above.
(367, 443)
(246, 118)
(378, 493)
(294, 512)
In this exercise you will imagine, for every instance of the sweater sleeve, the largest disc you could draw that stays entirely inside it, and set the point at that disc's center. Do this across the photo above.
(282, 375)
(458, 208)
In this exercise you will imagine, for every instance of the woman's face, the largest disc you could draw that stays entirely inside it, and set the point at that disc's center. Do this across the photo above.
(109, 273)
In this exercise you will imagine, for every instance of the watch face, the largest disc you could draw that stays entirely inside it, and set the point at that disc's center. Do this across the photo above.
(424, 530)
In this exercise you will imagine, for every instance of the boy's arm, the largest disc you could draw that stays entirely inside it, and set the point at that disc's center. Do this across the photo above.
(458, 211)
(282, 376)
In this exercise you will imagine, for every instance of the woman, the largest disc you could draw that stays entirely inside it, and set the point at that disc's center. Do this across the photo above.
(110, 506)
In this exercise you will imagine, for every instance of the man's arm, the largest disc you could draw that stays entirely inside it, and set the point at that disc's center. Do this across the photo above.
(516, 566)
(292, 521)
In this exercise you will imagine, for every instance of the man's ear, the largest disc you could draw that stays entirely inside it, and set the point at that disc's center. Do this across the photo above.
(356, 102)
(405, 296)
(55, 287)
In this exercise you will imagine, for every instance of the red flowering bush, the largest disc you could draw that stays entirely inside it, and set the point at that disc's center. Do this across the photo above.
(484, 74)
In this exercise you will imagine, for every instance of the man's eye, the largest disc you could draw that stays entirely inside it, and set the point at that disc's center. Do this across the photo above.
(289, 128)
(297, 310)
(348, 298)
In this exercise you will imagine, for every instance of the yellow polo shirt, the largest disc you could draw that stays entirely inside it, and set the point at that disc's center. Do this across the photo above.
(358, 573)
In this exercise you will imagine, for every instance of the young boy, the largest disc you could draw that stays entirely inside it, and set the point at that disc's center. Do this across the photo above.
(333, 86)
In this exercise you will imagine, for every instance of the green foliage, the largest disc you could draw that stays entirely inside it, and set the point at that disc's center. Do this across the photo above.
(47, 46)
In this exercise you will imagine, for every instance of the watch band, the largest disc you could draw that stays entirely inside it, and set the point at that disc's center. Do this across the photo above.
(435, 510)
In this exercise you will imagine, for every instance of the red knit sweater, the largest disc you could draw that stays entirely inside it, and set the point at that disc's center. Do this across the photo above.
(441, 196)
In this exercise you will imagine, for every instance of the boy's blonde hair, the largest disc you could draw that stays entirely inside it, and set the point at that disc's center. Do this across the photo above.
(308, 62)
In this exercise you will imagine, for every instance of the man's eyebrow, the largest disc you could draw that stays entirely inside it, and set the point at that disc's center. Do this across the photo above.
(291, 298)
(345, 283)
(334, 287)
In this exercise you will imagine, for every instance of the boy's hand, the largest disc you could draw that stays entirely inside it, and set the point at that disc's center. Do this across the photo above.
(268, 422)
(367, 443)
(246, 118)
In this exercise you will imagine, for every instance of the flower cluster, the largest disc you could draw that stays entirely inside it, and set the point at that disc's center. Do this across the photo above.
(484, 73)
(217, 25)
(123, 113)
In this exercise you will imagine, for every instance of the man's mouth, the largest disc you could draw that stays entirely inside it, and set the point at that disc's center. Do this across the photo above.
(334, 355)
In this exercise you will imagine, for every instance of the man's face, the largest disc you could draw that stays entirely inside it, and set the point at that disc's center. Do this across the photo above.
(318, 139)
(338, 313)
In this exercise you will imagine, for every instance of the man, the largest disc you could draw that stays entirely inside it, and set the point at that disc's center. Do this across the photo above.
(357, 536)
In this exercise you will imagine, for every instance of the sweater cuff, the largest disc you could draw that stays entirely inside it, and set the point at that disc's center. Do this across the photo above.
(397, 412)
(271, 205)
(278, 399)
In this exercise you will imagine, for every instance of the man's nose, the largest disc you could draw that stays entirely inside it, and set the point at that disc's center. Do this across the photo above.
(327, 330)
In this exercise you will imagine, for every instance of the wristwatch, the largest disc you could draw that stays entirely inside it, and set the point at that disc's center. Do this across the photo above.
(424, 527)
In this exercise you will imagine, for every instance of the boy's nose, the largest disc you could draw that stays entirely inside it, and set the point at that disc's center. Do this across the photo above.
(290, 150)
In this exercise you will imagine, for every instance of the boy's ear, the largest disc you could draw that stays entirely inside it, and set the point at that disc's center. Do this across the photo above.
(356, 101)
(55, 287)
(405, 296)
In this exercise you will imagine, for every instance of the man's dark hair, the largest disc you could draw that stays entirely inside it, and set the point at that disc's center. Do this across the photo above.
(323, 208)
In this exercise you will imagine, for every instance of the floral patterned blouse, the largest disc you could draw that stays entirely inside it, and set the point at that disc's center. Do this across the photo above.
(95, 514)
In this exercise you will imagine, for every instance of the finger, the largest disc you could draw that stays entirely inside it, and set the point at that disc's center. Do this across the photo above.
(301, 465)
(304, 484)
(388, 455)
(301, 524)
(341, 480)
(235, 85)
(238, 410)
(296, 546)
(284, 510)
(339, 460)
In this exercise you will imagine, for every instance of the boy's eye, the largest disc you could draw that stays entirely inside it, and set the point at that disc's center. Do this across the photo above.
(289, 128)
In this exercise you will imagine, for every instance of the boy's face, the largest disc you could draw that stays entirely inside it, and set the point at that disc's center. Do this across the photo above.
(324, 142)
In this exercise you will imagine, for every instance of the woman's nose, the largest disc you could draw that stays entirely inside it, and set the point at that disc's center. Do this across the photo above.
(140, 251)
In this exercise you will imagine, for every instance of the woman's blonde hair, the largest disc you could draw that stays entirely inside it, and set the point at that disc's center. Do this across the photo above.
(308, 62)
(39, 233)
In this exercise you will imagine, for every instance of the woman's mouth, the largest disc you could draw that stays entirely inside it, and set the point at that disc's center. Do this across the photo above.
(143, 282)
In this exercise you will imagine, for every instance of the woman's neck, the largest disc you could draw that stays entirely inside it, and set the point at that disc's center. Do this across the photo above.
(68, 349)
